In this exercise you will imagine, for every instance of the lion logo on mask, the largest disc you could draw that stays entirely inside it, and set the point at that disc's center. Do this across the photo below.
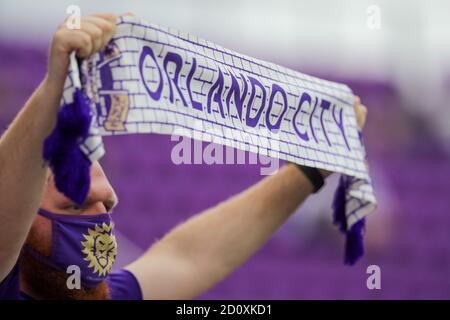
(100, 248)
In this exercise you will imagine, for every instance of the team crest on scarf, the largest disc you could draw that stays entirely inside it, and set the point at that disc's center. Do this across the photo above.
(100, 248)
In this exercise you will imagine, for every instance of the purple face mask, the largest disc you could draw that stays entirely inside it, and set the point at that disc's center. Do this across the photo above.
(86, 241)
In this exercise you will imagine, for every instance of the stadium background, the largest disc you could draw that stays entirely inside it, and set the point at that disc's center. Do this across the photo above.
(402, 72)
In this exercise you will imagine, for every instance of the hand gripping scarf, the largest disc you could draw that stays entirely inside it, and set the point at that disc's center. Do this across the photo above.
(150, 79)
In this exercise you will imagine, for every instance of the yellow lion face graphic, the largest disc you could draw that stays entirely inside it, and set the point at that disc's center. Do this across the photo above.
(100, 248)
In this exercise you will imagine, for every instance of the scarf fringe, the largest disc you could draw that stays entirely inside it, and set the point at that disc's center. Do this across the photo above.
(62, 149)
(354, 244)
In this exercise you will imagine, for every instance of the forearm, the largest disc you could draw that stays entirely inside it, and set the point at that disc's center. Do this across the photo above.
(22, 168)
(202, 251)
(217, 241)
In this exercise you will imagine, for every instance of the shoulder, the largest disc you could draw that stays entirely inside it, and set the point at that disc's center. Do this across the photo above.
(10, 285)
(124, 286)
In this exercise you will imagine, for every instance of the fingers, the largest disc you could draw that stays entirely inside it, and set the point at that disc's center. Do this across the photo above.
(107, 16)
(100, 30)
(361, 112)
(79, 41)
(106, 27)
(94, 33)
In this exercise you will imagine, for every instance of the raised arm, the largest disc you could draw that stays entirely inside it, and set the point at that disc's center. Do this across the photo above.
(22, 169)
(202, 251)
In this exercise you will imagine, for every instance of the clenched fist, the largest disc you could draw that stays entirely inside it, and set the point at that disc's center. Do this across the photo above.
(94, 33)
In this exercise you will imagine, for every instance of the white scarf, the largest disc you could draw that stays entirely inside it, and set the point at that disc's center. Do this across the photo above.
(151, 79)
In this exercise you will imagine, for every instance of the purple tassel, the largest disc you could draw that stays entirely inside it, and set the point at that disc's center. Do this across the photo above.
(62, 149)
(354, 246)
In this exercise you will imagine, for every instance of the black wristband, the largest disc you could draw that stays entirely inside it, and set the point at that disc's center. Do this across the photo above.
(313, 176)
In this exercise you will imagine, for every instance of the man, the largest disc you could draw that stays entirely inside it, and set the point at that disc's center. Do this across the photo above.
(42, 233)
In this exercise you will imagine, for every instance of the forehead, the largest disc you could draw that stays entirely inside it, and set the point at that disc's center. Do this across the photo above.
(99, 188)
(96, 171)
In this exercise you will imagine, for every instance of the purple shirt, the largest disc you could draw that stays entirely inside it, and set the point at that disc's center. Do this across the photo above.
(122, 283)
